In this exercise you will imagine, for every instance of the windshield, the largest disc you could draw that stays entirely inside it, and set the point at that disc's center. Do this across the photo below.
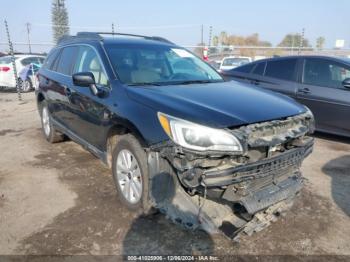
(159, 65)
(235, 61)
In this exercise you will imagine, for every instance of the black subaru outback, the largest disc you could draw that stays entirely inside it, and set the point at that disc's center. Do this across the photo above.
(177, 137)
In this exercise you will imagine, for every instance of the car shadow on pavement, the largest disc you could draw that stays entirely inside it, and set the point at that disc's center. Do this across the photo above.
(339, 171)
(335, 138)
(8, 89)
(157, 235)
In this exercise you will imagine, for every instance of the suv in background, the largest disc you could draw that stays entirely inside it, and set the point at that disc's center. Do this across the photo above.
(174, 133)
(321, 83)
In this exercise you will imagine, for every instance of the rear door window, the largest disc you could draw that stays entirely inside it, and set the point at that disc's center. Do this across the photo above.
(66, 60)
(284, 69)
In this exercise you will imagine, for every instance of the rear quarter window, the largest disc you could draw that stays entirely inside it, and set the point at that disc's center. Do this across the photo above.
(48, 63)
(244, 69)
(259, 69)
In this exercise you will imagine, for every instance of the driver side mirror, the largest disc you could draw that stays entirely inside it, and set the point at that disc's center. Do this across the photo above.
(86, 79)
(346, 83)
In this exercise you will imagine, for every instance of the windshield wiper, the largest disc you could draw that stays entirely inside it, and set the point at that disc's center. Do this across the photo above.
(188, 82)
(144, 84)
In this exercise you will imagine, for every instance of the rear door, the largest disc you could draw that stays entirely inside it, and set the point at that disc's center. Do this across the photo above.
(322, 91)
(279, 75)
(61, 85)
(47, 77)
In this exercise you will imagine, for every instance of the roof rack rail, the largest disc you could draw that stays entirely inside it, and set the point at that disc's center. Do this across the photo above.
(97, 36)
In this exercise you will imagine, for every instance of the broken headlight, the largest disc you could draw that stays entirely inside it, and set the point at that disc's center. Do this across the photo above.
(198, 137)
(310, 116)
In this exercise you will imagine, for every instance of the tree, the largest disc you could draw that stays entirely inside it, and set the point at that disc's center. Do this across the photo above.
(237, 40)
(215, 40)
(293, 40)
(320, 42)
(59, 18)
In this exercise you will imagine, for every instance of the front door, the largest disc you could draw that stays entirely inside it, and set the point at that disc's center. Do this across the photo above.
(322, 91)
(91, 114)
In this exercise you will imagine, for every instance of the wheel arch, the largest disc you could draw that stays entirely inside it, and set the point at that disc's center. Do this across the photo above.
(117, 130)
(39, 99)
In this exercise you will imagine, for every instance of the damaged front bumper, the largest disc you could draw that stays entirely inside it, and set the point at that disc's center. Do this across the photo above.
(229, 192)
(260, 184)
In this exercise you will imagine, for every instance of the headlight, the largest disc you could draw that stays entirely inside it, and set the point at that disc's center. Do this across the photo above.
(198, 137)
(311, 117)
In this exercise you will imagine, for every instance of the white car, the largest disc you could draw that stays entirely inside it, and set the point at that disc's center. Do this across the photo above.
(231, 62)
(7, 78)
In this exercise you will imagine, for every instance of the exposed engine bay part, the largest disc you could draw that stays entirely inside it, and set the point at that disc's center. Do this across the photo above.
(275, 132)
(222, 192)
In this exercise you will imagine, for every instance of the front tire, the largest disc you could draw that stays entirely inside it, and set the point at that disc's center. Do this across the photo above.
(130, 173)
(49, 131)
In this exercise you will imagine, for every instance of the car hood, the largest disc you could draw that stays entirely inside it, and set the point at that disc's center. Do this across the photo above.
(224, 104)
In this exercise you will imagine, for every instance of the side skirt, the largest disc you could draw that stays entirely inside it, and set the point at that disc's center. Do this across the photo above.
(94, 150)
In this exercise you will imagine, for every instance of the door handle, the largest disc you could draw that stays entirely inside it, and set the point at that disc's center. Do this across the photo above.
(304, 90)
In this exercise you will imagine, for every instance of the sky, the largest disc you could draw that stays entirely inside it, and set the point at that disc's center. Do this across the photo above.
(180, 21)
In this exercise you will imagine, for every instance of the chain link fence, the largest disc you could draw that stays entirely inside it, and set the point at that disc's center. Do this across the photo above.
(260, 52)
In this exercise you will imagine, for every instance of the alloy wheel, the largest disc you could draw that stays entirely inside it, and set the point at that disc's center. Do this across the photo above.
(46, 121)
(129, 176)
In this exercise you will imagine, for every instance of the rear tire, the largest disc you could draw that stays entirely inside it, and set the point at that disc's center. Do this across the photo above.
(49, 131)
(26, 85)
(130, 174)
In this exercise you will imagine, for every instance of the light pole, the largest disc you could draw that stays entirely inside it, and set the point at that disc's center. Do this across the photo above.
(28, 37)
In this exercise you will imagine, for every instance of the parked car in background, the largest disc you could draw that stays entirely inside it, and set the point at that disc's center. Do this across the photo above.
(28, 78)
(173, 131)
(231, 62)
(322, 83)
(215, 63)
(7, 79)
(259, 57)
